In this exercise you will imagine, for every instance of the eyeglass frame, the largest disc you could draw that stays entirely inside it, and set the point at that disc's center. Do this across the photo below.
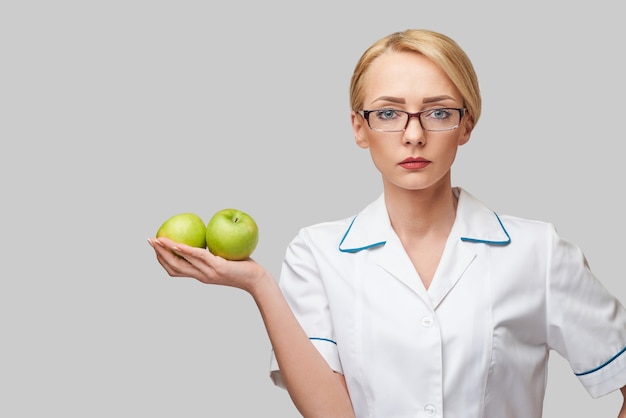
(366, 113)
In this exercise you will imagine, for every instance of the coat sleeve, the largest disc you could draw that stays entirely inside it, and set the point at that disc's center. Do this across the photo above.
(586, 323)
(303, 287)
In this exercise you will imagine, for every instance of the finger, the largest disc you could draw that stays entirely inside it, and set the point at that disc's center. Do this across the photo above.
(173, 263)
(164, 247)
(190, 253)
(180, 260)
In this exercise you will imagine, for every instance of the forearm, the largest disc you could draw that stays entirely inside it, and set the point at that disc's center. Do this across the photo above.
(316, 390)
(313, 386)
(622, 412)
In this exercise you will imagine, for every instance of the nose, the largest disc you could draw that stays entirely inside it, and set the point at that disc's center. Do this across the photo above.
(414, 133)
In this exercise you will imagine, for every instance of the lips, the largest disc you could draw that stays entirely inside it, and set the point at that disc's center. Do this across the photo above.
(414, 163)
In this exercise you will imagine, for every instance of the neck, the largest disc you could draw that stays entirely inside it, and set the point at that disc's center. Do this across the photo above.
(421, 211)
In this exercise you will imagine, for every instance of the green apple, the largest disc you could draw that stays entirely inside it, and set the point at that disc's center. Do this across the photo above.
(232, 234)
(186, 228)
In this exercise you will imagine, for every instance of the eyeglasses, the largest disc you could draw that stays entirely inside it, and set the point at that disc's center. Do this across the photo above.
(433, 120)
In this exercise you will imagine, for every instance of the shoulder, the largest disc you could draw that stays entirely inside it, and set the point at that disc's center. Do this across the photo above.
(522, 225)
(477, 222)
(327, 232)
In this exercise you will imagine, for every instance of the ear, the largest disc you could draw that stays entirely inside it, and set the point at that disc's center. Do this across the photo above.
(466, 132)
(359, 129)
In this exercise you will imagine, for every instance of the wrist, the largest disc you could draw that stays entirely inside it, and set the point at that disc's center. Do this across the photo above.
(262, 285)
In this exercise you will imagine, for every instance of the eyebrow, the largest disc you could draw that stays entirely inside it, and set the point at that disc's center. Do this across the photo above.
(433, 99)
(436, 99)
(390, 99)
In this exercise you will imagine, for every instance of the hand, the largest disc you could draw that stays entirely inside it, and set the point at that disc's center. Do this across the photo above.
(180, 260)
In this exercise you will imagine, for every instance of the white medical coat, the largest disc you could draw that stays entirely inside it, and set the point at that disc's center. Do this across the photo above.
(476, 343)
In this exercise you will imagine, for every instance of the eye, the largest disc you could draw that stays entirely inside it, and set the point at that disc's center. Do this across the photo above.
(439, 114)
(387, 114)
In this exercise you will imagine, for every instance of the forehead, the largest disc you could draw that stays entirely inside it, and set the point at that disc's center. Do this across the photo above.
(406, 74)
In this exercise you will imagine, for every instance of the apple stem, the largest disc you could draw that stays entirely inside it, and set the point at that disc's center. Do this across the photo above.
(236, 220)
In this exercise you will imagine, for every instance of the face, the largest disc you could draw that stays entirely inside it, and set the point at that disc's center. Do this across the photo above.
(414, 159)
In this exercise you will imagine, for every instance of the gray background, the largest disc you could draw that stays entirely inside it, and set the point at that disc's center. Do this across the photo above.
(116, 115)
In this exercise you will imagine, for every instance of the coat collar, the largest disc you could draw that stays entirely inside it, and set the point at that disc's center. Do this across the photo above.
(474, 223)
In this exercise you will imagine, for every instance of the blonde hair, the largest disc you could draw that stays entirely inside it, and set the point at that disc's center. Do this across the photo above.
(440, 49)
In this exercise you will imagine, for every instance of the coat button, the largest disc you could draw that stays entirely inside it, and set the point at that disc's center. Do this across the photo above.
(430, 410)
(428, 321)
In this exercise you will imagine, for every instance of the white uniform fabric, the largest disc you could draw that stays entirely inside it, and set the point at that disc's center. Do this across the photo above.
(476, 343)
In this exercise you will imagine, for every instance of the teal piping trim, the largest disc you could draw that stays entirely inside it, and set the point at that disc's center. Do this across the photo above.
(506, 242)
(323, 339)
(356, 250)
(622, 351)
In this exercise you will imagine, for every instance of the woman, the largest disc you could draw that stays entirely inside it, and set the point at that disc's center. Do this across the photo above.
(426, 303)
